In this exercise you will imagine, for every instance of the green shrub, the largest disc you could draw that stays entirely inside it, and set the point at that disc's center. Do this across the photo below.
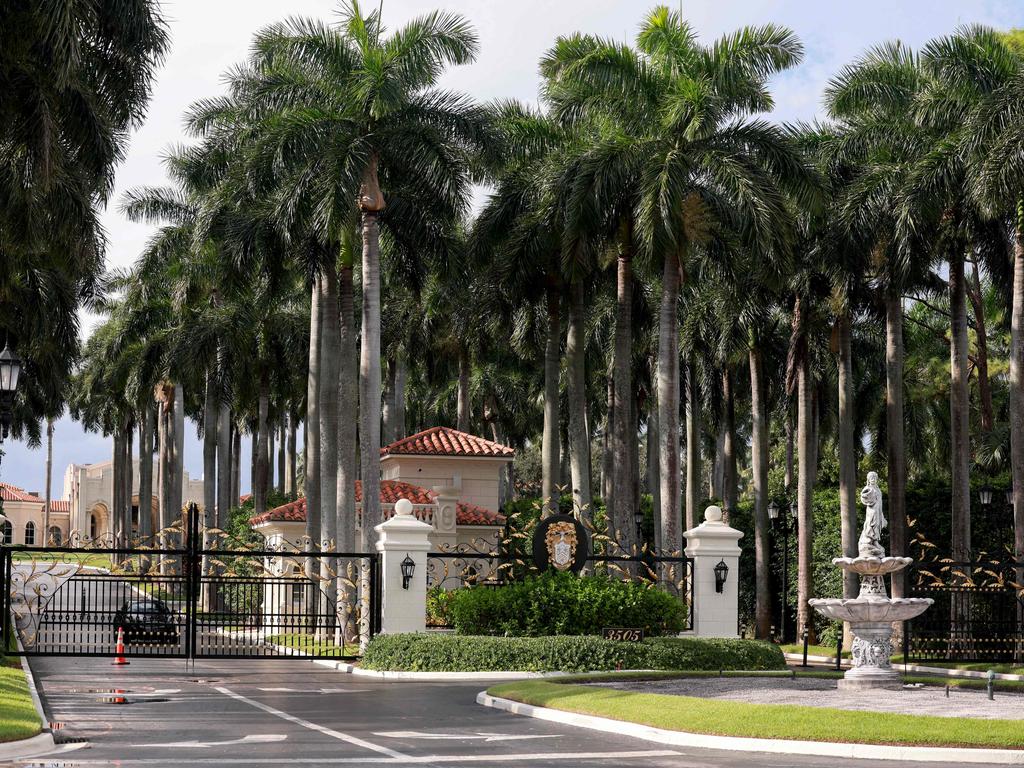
(564, 604)
(438, 602)
(432, 652)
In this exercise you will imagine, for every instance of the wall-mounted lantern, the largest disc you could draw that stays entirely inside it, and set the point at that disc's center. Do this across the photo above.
(985, 494)
(408, 569)
(721, 573)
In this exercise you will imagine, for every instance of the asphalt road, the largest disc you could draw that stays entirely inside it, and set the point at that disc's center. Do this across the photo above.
(289, 712)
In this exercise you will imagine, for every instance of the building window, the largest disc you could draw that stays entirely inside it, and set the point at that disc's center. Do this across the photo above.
(7, 531)
(30, 534)
(55, 536)
(93, 527)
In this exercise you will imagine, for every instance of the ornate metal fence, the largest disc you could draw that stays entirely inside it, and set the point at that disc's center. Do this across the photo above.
(207, 597)
(978, 615)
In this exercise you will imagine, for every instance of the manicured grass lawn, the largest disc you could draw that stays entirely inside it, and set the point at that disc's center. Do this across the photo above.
(765, 721)
(72, 558)
(313, 645)
(813, 650)
(18, 718)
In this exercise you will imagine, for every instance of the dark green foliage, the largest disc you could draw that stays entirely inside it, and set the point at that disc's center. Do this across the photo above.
(439, 600)
(564, 604)
(458, 653)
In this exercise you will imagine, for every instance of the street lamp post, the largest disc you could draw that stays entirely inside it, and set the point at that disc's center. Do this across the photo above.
(774, 514)
(10, 372)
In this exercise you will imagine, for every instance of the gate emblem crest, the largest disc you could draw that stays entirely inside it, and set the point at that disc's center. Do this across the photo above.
(560, 542)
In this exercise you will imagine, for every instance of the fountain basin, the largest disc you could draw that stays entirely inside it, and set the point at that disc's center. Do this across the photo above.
(860, 610)
(873, 566)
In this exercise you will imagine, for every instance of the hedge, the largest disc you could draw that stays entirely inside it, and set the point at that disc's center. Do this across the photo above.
(432, 652)
(564, 604)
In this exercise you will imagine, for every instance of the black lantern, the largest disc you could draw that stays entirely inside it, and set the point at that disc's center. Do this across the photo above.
(721, 573)
(10, 370)
(638, 520)
(794, 510)
(773, 510)
(985, 494)
(408, 569)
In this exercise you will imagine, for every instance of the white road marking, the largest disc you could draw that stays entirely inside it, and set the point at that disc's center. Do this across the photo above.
(410, 760)
(464, 736)
(354, 740)
(258, 738)
(282, 689)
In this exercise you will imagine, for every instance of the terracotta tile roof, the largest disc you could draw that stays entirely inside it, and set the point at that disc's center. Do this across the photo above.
(60, 505)
(445, 441)
(471, 514)
(390, 492)
(10, 492)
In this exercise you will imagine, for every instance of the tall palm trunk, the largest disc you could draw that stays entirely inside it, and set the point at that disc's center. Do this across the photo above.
(348, 471)
(260, 447)
(462, 419)
(847, 454)
(117, 470)
(210, 435)
(147, 424)
(607, 459)
(977, 297)
(400, 372)
(693, 432)
(729, 480)
(668, 513)
(897, 466)
(371, 203)
(312, 453)
(236, 465)
(164, 476)
(178, 465)
(623, 431)
(270, 450)
(579, 436)
(805, 487)
(759, 467)
(290, 483)
(1017, 387)
(224, 500)
(49, 480)
(330, 340)
(549, 440)
(960, 447)
(282, 436)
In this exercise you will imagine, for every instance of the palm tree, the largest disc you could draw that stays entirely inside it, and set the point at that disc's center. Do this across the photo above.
(371, 128)
(695, 167)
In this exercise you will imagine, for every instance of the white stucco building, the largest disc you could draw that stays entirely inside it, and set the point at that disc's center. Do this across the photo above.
(89, 494)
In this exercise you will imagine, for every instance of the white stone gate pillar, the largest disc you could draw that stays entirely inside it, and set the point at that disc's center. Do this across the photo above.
(715, 614)
(403, 610)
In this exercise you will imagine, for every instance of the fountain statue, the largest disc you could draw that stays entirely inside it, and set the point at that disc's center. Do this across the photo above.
(871, 614)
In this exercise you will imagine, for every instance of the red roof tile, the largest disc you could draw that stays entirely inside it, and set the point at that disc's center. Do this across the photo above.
(60, 505)
(445, 441)
(390, 492)
(10, 492)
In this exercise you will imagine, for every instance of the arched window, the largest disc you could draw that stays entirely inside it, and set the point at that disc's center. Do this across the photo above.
(93, 527)
(54, 536)
(7, 531)
(30, 534)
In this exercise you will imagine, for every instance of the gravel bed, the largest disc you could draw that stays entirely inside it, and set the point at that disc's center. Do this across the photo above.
(811, 692)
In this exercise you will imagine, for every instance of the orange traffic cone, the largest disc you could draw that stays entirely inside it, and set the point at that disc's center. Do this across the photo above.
(120, 660)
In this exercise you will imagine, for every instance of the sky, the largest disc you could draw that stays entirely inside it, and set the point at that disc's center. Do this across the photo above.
(209, 36)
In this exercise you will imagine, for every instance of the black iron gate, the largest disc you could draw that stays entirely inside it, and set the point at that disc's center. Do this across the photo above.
(191, 592)
(977, 616)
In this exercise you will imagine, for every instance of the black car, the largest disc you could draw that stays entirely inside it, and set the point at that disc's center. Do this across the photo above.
(146, 621)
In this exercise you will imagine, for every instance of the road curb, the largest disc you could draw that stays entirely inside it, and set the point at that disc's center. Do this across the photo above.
(744, 744)
(43, 741)
(944, 671)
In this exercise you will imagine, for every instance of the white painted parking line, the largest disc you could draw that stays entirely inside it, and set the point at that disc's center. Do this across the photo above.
(284, 689)
(257, 738)
(354, 740)
(464, 736)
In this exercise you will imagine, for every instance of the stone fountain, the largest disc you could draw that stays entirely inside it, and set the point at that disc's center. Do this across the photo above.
(871, 614)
